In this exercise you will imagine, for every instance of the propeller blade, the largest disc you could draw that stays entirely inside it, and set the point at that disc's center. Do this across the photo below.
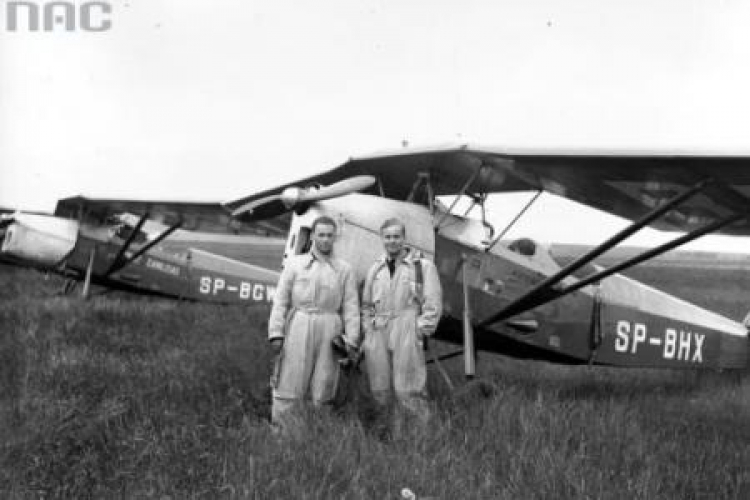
(341, 188)
(293, 196)
(251, 206)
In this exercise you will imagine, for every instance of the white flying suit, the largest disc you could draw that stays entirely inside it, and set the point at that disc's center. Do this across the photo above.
(395, 322)
(315, 301)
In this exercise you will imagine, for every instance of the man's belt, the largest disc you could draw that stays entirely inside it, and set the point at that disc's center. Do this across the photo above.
(381, 318)
(315, 310)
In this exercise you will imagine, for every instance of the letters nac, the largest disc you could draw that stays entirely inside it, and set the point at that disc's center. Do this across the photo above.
(52, 16)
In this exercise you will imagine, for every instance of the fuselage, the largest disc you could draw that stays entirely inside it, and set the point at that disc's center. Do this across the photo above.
(194, 266)
(618, 321)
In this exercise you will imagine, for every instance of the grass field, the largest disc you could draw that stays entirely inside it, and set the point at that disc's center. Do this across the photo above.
(134, 397)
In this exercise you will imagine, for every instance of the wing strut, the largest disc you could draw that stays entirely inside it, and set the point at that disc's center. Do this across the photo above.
(654, 252)
(124, 248)
(457, 198)
(545, 291)
(120, 263)
(89, 268)
(423, 178)
(513, 222)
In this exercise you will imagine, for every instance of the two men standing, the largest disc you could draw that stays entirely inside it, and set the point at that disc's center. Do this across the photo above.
(317, 300)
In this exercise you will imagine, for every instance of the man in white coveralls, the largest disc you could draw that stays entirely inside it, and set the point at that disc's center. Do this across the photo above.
(316, 300)
(401, 305)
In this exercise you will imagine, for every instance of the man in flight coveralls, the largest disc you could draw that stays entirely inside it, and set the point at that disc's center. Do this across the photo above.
(401, 305)
(316, 300)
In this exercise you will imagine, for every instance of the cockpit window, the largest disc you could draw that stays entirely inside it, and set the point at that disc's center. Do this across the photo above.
(462, 206)
(524, 246)
(303, 241)
(465, 216)
(124, 231)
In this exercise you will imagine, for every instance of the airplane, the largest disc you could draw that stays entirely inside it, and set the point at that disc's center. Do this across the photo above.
(99, 241)
(514, 297)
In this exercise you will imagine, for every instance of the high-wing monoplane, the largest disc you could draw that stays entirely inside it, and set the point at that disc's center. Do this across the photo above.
(184, 250)
(514, 297)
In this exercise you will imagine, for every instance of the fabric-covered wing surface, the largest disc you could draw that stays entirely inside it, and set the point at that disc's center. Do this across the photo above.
(631, 185)
(624, 184)
(197, 216)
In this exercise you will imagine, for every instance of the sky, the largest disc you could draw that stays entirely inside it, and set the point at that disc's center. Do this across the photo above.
(216, 99)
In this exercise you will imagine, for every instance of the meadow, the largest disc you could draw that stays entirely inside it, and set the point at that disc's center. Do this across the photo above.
(130, 397)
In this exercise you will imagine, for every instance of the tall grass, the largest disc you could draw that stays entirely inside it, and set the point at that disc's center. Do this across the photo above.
(145, 398)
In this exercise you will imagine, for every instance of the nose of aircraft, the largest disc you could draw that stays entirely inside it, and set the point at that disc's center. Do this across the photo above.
(40, 240)
(3, 226)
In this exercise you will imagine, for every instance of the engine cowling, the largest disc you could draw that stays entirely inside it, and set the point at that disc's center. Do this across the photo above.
(358, 218)
(40, 240)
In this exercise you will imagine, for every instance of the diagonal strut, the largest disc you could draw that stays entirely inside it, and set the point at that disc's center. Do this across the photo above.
(545, 291)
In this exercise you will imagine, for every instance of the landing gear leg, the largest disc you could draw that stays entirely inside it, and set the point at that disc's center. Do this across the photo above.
(87, 281)
(470, 360)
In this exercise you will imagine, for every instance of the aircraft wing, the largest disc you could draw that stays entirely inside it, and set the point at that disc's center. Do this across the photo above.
(626, 184)
(202, 216)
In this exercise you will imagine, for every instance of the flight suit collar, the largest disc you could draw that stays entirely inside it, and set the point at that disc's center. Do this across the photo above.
(408, 257)
(315, 255)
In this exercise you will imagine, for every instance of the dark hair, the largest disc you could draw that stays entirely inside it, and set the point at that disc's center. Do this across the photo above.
(393, 221)
(325, 220)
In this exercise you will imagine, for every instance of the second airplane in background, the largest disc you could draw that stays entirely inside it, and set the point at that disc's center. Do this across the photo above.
(102, 242)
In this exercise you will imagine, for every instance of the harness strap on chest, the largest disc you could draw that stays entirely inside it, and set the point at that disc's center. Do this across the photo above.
(418, 278)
